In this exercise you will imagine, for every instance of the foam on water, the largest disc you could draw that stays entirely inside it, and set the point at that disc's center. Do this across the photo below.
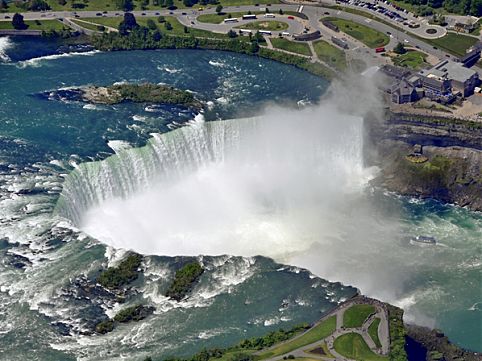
(5, 44)
(37, 62)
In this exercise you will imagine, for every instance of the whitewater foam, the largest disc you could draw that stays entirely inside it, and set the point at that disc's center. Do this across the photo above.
(37, 62)
(5, 44)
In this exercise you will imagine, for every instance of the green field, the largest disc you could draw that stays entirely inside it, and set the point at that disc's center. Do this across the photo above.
(110, 5)
(411, 59)
(318, 332)
(177, 27)
(368, 36)
(356, 315)
(456, 44)
(353, 346)
(86, 25)
(330, 54)
(265, 25)
(284, 44)
(218, 19)
(45, 25)
(373, 332)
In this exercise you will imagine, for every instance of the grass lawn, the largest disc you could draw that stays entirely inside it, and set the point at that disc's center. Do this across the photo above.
(86, 25)
(37, 25)
(284, 44)
(356, 315)
(411, 59)
(317, 333)
(325, 349)
(218, 19)
(373, 332)
(368, 36)
(456, 44)
(110, 5)
(177, 27)
(265, 25)
(330, 54)
(353, 346)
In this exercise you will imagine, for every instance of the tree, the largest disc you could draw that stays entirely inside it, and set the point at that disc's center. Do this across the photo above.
(232, 34)
(3, 4)
(186, 30)
(129, 23)
(62, 2)
(18, 23)
(167, 25)
(219, 8)
(125, 5)
(161, 19)
(280, 11)
(170, 4)
(38, 5)
(151, 24)
(400, 49)
(156, 35)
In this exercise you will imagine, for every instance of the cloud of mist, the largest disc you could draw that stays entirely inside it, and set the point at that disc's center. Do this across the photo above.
(292, 187)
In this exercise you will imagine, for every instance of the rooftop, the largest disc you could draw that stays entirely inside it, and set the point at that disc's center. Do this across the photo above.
(449, 69)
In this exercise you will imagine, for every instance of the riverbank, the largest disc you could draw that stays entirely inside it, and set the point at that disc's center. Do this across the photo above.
(429, 157)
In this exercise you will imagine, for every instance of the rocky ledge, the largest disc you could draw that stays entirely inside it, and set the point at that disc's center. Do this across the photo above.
(429, 157)
(127, 92)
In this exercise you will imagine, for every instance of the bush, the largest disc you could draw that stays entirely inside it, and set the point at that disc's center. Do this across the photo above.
(104, 326)
(161, 19)
(184, 280)
(151, 24)
(133, 313)
(115, 277)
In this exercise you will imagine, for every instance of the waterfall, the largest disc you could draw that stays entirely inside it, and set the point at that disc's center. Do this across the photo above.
(236, 169)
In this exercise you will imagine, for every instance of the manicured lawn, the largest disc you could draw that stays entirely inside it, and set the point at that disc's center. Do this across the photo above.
(284, 44)
(411, 59)
(330, 54)
(454, 43)
(86, 25)
(356, 315)
(37, 25)
(111, 22)
(265, 25)
(353, 346)
(218, 19)
(177, 27)
(317, 333)
(324, 347)
(368, 36)
(111, 5)
(373, 332)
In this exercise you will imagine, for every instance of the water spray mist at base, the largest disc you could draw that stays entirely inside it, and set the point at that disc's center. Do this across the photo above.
(290, 185)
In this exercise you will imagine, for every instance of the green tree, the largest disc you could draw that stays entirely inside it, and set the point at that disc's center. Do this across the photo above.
(3, 4)
(399, 49)
(161, 19)
(280, 11)
(167, 25)
(219, 9)
(125, 5)
(232, 34)
(151, 24)
(62, 2)
(170, 4)
(38, 5)
(186, 29)
(156, 35)
(18, 23)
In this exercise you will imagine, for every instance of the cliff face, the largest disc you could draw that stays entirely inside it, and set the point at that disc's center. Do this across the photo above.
(447, 161)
